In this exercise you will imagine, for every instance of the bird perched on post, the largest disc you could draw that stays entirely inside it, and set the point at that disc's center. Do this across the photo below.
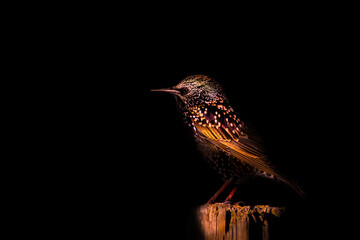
(223, 138)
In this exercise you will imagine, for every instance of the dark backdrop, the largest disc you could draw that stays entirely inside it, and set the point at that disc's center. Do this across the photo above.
(133, 165)
(146, 165)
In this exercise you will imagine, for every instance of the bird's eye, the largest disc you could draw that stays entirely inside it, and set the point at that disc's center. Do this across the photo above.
(184, 91)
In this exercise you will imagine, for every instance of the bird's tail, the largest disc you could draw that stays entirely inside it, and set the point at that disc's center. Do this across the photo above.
(294, 186)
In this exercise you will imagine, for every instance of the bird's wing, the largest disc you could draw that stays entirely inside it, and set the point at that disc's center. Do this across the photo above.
(242, 148)
(233, 139)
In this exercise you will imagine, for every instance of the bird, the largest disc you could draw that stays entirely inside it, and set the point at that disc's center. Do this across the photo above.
(229, 145)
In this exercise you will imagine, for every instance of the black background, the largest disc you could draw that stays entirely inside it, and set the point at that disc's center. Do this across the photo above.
(148, 169)
(129, 164)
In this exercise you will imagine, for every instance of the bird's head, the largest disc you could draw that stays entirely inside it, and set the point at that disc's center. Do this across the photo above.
(196, 89)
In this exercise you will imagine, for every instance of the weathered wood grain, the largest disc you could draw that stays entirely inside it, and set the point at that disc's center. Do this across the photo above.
(231, 222)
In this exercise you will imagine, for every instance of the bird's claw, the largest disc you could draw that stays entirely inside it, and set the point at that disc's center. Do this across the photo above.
(240, 203)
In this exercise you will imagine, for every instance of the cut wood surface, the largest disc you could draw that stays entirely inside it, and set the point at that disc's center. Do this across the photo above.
(225, 221)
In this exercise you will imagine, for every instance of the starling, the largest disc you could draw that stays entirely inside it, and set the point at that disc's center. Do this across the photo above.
(224, 139)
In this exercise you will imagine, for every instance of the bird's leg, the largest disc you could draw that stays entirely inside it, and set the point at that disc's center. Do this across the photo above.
(213, 198)
(231, 194)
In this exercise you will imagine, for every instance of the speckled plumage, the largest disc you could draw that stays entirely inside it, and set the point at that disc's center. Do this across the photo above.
(220, 116)
(222, 137)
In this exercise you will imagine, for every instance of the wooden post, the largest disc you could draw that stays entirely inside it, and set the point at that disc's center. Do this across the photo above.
(231, 222)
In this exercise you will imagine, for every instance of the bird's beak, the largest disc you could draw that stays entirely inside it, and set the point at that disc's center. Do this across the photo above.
(169, 90)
